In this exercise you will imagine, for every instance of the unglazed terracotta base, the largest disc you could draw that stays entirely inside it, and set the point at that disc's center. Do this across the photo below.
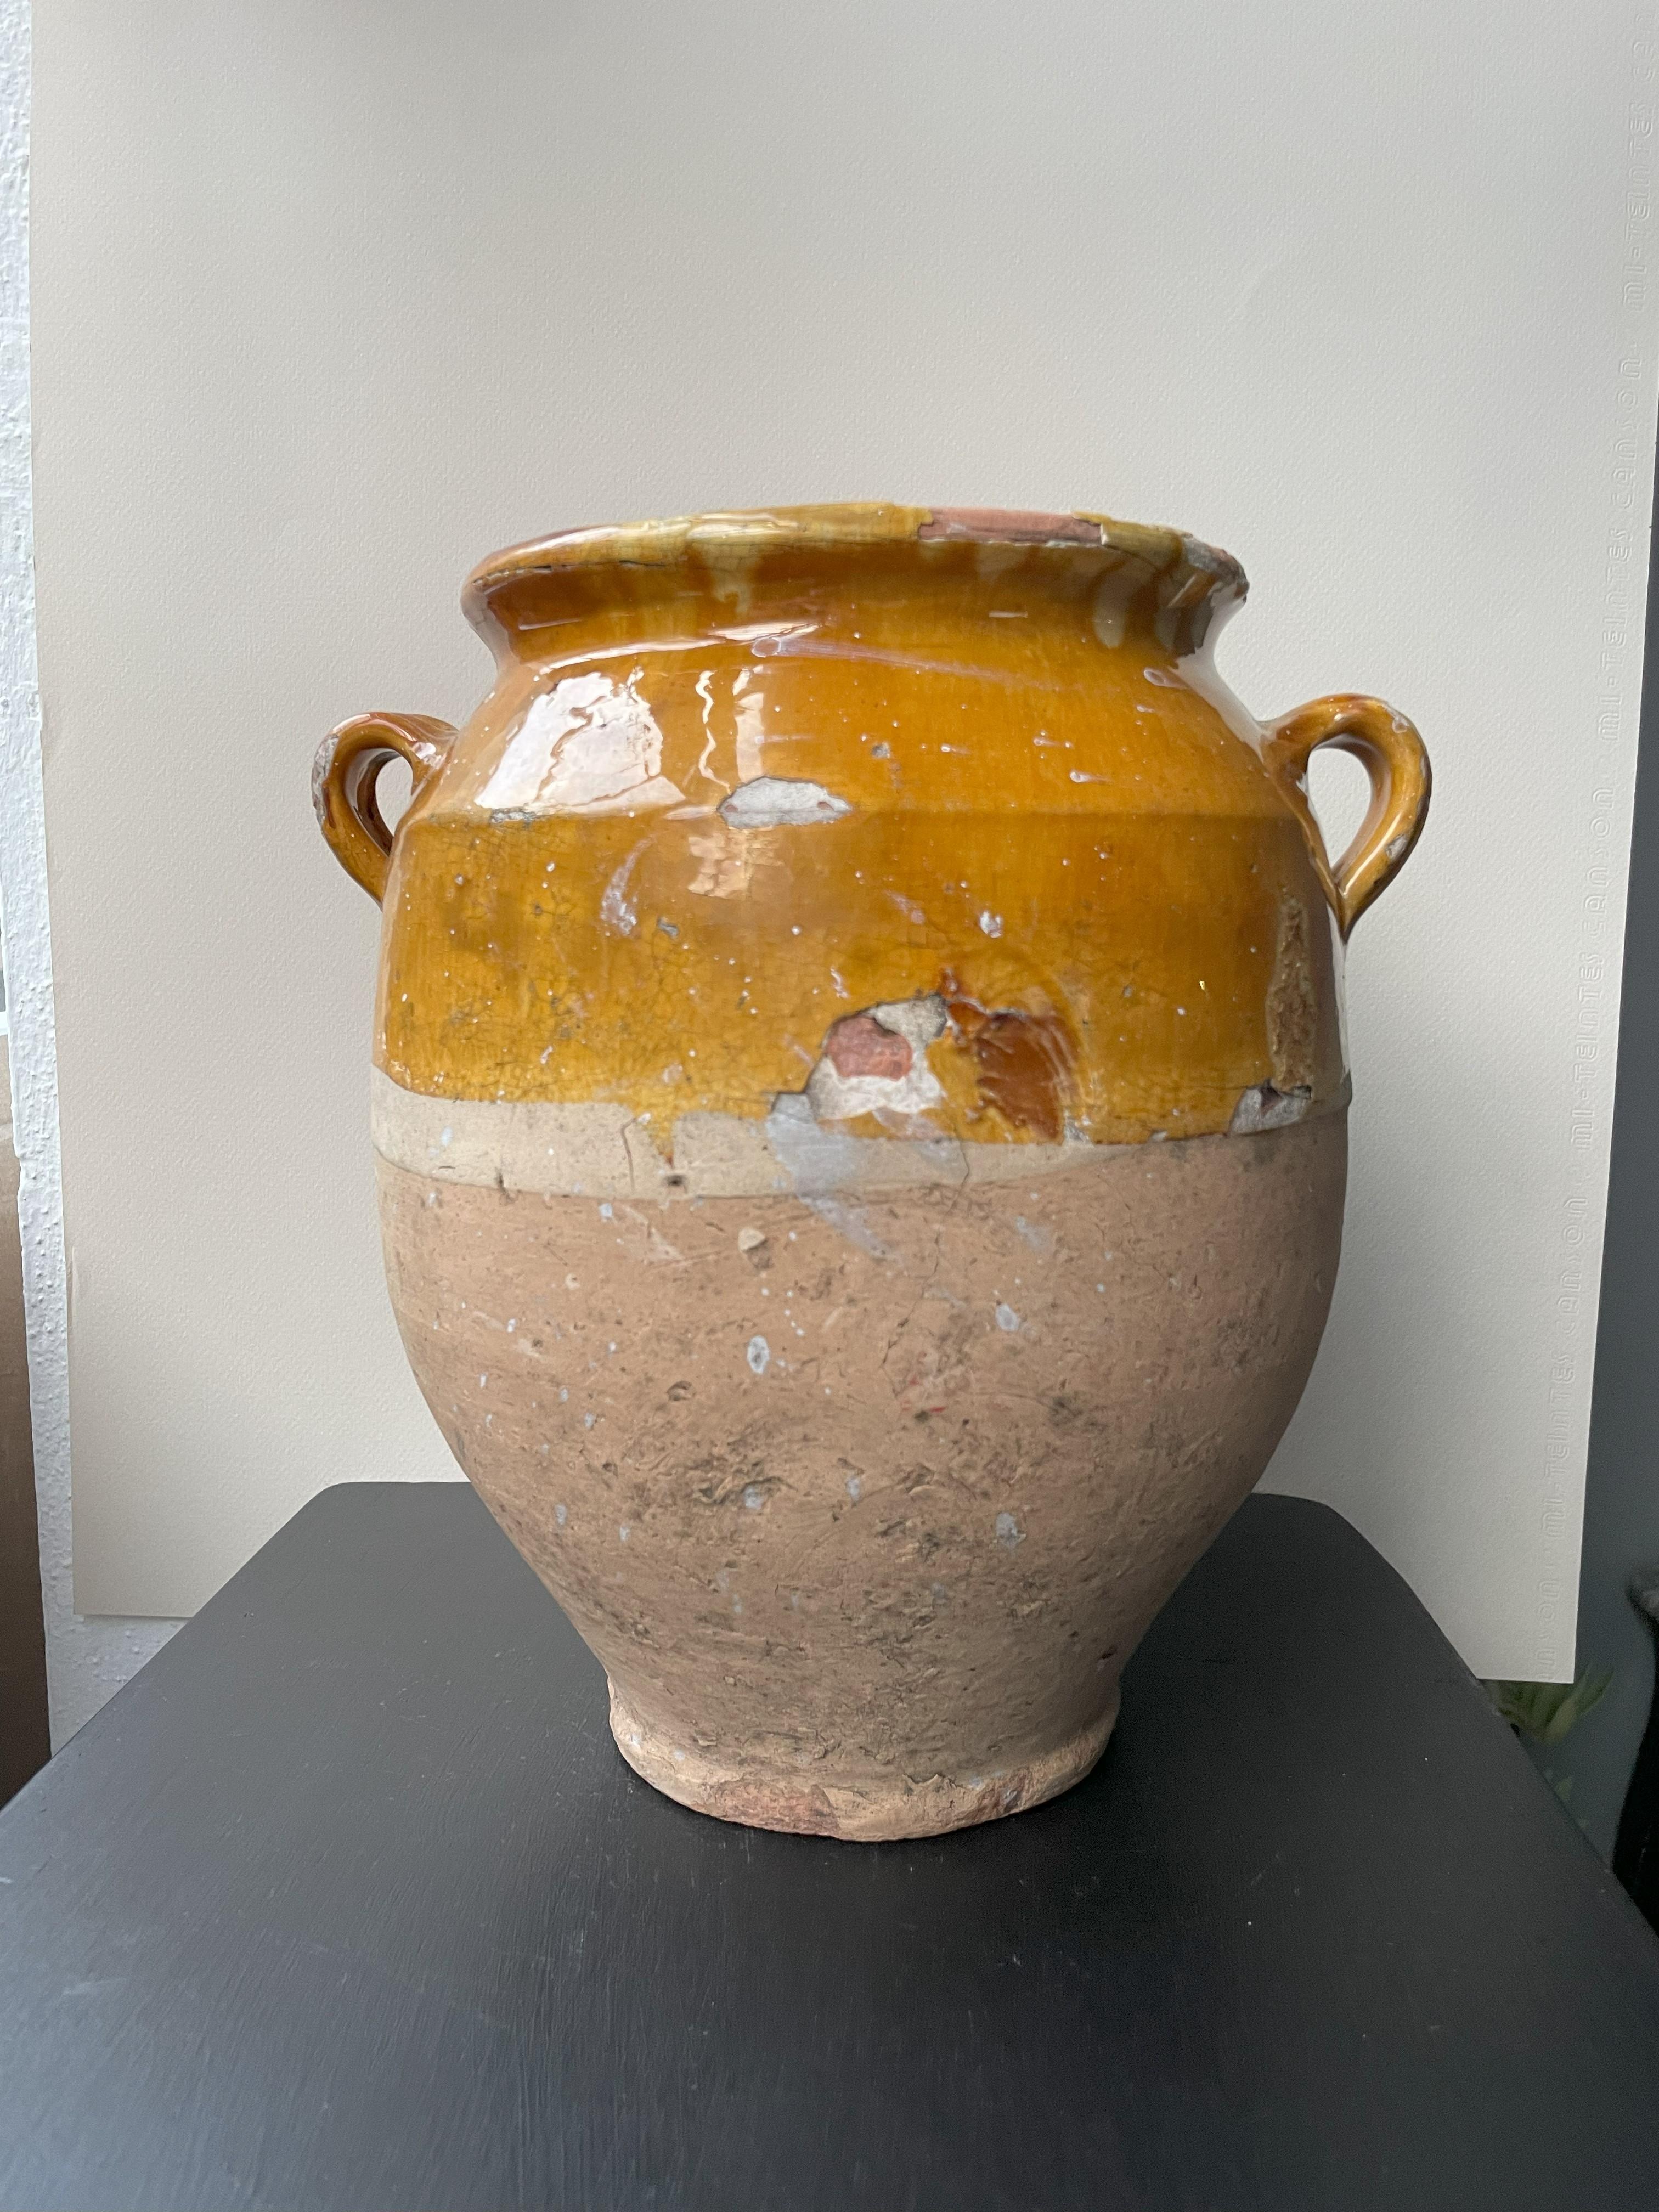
(864, 1497)
(865, 1812)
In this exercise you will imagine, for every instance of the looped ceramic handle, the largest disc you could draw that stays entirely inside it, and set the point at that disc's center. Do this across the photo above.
(1393, 755)
(349, 764)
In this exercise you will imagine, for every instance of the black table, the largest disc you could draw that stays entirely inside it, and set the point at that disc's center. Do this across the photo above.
(347, 1902)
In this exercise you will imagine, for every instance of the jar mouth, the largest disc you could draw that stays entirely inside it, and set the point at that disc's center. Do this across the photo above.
(1186, 586)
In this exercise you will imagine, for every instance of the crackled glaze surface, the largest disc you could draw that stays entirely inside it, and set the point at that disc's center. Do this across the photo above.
(859, 1005)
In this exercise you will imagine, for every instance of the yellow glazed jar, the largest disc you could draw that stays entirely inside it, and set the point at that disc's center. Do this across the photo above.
(860, 1103)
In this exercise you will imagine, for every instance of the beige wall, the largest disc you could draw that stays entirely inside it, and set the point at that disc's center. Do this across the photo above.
(330, 300)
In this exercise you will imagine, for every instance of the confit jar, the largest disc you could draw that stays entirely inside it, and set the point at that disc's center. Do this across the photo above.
(859, 1095)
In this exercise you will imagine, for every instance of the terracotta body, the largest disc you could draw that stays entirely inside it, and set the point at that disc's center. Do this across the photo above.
(859, 1104)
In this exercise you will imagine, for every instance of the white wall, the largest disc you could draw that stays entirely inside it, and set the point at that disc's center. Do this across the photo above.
(87, 1659)
(330, 300)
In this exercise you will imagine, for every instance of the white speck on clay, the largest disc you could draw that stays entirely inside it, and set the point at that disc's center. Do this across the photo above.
(848, 1221)
(623, 1533)
(610, 1347)
(616, 910)
(774, 802)
(606, 1211)
(991, 923)
(1010, 1534)
(589, 1419)
(446, 1137)
(737, 1604)
(753, 1497)
(854, 1488)
(1006, 1317)
(483, 1382)
(679, 1759)
(759, 1355)
(563, 1396)
(561, 1514)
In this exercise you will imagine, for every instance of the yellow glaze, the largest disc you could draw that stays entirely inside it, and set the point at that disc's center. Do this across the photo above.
(745, 777)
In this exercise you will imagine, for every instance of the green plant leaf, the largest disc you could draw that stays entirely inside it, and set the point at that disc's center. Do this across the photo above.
(1546, 1710)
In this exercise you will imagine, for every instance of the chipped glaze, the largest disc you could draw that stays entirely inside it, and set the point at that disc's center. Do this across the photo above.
(740, 776)
(858, 1027)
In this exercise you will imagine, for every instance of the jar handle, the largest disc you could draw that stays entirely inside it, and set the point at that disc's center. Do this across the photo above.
(1388, 746)
(348, 766)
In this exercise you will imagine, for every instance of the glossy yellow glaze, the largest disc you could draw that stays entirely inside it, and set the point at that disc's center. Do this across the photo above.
(741, 778)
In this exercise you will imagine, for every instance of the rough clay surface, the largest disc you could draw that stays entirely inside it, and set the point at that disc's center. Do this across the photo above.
(864, 1502)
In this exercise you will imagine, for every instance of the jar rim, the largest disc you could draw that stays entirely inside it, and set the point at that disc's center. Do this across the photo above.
(1202, 582)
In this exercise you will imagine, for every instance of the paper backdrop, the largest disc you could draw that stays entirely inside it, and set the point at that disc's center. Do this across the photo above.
(332, 299)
